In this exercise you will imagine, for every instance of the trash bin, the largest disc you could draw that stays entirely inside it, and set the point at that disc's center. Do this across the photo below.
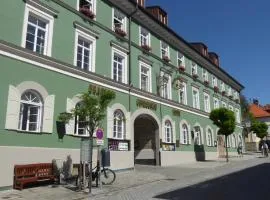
(105, 158)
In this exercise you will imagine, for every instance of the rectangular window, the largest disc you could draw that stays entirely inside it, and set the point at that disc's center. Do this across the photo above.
(229, 91)
(119, 20)
(37, 30)
(216, 103)
(119, 66)
(193, 68)
(214, 81)
(222, 86)
(206, 102)
(164, 50)
(89, 4)
(145, 77)
(195, 98)
(144, 37)
(205, 75)
(166, 86)
(183, 93)
(180, 60)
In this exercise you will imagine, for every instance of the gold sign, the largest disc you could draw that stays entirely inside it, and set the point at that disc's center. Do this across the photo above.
(146, 104)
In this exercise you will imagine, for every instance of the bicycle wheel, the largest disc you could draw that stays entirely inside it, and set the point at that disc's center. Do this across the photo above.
(107, 176)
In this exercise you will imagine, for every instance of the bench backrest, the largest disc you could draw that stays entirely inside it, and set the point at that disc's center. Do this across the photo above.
(33, 170)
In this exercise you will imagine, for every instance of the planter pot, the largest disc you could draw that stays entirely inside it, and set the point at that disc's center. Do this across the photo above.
(87, 12)
(195, 76)
(120, 32)
(181, 68)
(166, 59)
(216, 89)
(146, 47)
(206, 82)
(61, 129)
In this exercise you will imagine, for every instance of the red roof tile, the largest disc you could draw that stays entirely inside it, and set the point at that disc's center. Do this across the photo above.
(258, 111)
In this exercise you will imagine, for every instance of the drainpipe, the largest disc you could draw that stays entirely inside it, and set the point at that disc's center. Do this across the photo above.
(129, 56)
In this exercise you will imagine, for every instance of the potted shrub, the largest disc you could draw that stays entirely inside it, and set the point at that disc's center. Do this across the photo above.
(146, 47)
(182, 68)
(120, 32)
(166, 59)
(87, 12)
(206, 82)
(61, 122)
(216, 88)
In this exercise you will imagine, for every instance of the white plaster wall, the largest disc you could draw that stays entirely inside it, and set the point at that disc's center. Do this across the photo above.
(146, 154)
(168, 158)
(122, 159)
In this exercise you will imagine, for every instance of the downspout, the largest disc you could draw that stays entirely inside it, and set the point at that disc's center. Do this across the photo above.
(129, 56)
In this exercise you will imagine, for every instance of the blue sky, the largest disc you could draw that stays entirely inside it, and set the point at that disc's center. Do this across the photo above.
(237, 30)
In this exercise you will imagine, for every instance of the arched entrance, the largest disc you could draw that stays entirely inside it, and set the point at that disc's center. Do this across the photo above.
(146, 140)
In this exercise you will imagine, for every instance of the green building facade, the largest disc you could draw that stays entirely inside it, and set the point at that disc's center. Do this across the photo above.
(52, 50)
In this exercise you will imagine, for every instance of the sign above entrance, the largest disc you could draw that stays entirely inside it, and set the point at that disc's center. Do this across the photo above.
(146, 104)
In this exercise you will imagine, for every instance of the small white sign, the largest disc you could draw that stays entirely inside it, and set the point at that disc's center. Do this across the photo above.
(123, 146)
(100, 142)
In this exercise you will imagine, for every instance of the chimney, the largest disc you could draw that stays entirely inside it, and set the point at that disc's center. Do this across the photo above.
(256, 102)
(214, 58)
(158, 13)
(201, 48)
(141, 3)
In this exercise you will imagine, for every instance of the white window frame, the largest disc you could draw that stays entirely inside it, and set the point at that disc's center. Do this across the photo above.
(124, 22)
(181, 59)
(142, 64)
(223, 86)
(166, 127)
(167, 49)
(198, 134)
(92, 40)
(49, 28)
(229, 91)
(210, 142)
(94, 3)
(207, 107)
(183, 88)
(197, 100)
(216, 103)
(214, 81)
(148, 37)
(124, 55)
(205, 75)
(168, 86)
(194, 68)
(115, 135)
(185, 134)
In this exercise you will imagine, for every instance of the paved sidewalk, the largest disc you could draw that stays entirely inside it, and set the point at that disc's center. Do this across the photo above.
(142, 183)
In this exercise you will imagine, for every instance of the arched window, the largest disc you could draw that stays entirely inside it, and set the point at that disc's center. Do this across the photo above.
(168, 132)
(118, 124)
(185, 134)
(30, 111)
(209, 138)
(234, 144)
(197, 135)
(80, 126)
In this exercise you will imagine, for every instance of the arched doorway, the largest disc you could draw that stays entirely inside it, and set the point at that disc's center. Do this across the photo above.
(146, 140)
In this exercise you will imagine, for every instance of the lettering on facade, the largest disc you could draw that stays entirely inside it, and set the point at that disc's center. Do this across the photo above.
(96, 90)
(176, 112)
(146, 104)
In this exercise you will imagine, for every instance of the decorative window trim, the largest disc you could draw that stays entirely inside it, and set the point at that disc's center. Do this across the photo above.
(125, 19)
(215, 98)
(195, 66)
(121, 53)
(13, 107)
(43, 7)
(49, 32)
(119, 47)
(213, 135)
(149, 36)
(185, 86)
(110, 117)
(205, 106)
(193, 103)
(145, 60)
(205, 75)
(182, 122)
(168, 118)
(201, 132)
(149, 73)
(169, 85)
(167, 49)
(86, 30)
(85, 36)
(181, 59)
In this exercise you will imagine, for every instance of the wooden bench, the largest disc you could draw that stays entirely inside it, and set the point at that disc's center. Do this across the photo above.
(32, 173)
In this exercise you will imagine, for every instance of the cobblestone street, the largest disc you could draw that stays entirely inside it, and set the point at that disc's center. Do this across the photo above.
(145, 182)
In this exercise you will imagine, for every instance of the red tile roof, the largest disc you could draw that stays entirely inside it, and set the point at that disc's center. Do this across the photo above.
(258, 111)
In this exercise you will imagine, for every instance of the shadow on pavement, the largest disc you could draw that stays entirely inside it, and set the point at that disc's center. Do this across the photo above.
(251, 183)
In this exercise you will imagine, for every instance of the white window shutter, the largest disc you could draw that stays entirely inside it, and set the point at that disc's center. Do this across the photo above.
(13, 108)
(128, 125)
(109, 122)
(47, 125)
(71, 124)
(173, 132)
